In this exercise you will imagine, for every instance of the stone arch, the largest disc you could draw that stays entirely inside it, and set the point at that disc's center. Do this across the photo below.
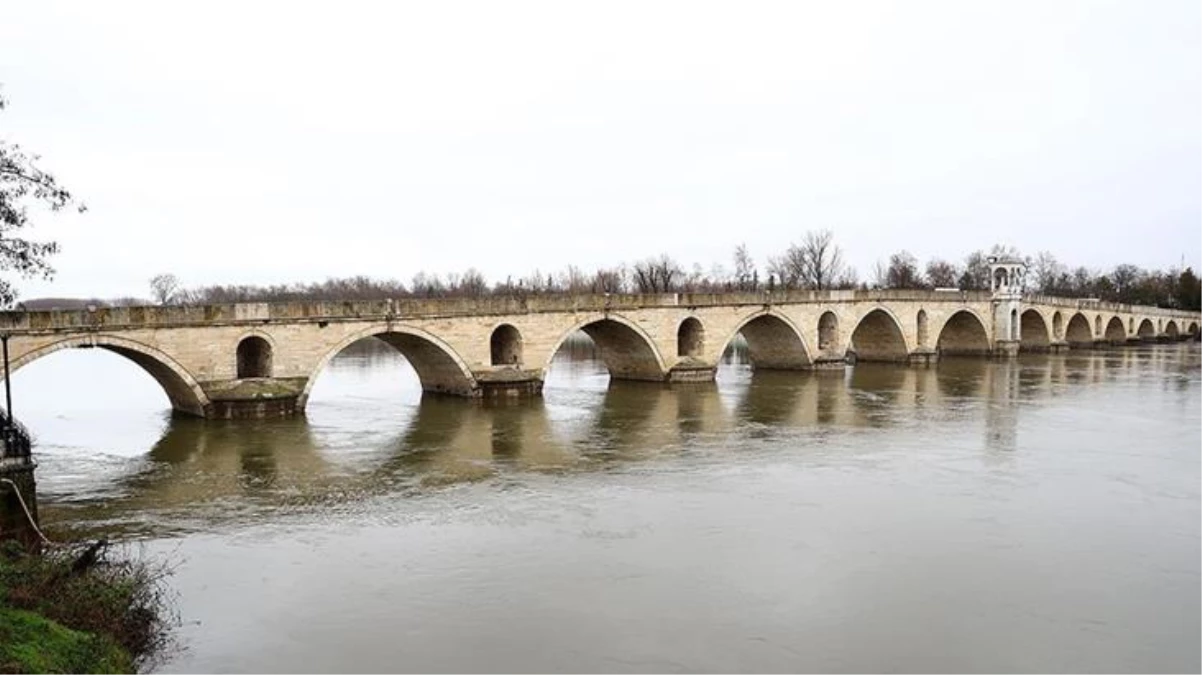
(1147, 331)
(1078, 332)
(1035, 333)
(181, 387)
(999, 278)
(828, 331)
(1170, 328)
(439, 368)
(1131, 326)
(879, 337)
(923, 328)
(1193, 328)
(1097, 325)
(1058, 326)
(1114, 331)
(773, 342)
(690, 338)
(963, 333)
(505, 346)
(253, 357)
(627, 350)
(1014, 322)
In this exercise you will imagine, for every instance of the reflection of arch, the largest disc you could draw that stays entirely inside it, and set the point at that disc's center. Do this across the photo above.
(438, 367)
(690, 338)
(1058, 325)
(253, 357)
(963, 333)
(505, 346)
(628, 352)
(1078, 330)
(181, 388)
(773, 342)
(878, 337)
(1170, 328)
(1034, 331)
(923, 328)
(1147, 331)
(828, 331)
(1114, 331)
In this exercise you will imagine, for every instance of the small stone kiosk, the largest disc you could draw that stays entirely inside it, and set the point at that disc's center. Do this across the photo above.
(1006, 279)
(18, 496)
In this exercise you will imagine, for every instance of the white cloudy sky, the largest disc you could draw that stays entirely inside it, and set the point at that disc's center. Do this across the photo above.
(261, 143)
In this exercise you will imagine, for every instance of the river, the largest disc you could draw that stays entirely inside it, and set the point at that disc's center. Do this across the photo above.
(1041, 514)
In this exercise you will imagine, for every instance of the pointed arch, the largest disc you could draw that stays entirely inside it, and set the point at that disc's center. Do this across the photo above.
(181, 387)
(1147, 330)
(438, 367)
(879, 337)
(1193, 328)
(1035, 334)
(1078, 333)
(963, 334)
(1058, 326)
(1097, 326)
(505, 346)
(1170, 328)
(690, 338)
(773, 342)
(1115, 334)
(828, 331)
(627, 350)
(923, 328)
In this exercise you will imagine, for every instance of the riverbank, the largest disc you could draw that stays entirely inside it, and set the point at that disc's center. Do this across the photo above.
(78, 609)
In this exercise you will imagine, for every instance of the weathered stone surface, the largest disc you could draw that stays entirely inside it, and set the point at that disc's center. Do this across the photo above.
(503, 346)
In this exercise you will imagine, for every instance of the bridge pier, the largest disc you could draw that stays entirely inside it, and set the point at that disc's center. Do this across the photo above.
(1006, 349)
(254, 398)
(508, 383)
(1058, 347)
(691, 371)
(924, 356)
(17, 485)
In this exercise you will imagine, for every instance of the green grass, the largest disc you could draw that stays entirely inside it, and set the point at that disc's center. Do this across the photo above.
(107, 617)
(30, 643)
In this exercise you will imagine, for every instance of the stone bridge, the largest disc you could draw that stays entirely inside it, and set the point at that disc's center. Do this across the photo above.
(260, 359)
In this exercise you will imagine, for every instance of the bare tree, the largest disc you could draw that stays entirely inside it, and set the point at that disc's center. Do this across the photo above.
(746, 277)
(941, 274)
(163, 288)
(657, 275)
(815, 263)
(903, 271)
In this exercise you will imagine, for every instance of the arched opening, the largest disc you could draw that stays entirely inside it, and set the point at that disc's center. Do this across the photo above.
(1058, 326)
(774, 344)
(690, 338)
(1097, 325)
(626, 352)
(1078, 334)
(1193, 328)
(999, 279)
(254, 357)
(963, 334)
(1115, 334)
(878, 337)
(181, 387)
(923, 329)
(1170, 329)
(505, 346)
(1131, 326)
(1147, 331)
(438, 368)
(1034, 332)
(1014, 334)
(828, 331)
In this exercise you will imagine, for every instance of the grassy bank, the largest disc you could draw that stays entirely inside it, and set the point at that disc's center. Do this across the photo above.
(78, 610)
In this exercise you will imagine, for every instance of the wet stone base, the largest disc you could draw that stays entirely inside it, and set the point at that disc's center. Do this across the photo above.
(689, 374)
(14, 524)
(510, 389)
(252, 409)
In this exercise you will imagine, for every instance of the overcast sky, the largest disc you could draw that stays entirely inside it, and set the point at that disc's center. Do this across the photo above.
(263, 143)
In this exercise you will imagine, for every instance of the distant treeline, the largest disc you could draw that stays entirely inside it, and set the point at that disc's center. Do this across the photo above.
(815, 262)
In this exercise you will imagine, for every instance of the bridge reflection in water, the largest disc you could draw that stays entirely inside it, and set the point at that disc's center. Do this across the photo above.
(370, 433)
